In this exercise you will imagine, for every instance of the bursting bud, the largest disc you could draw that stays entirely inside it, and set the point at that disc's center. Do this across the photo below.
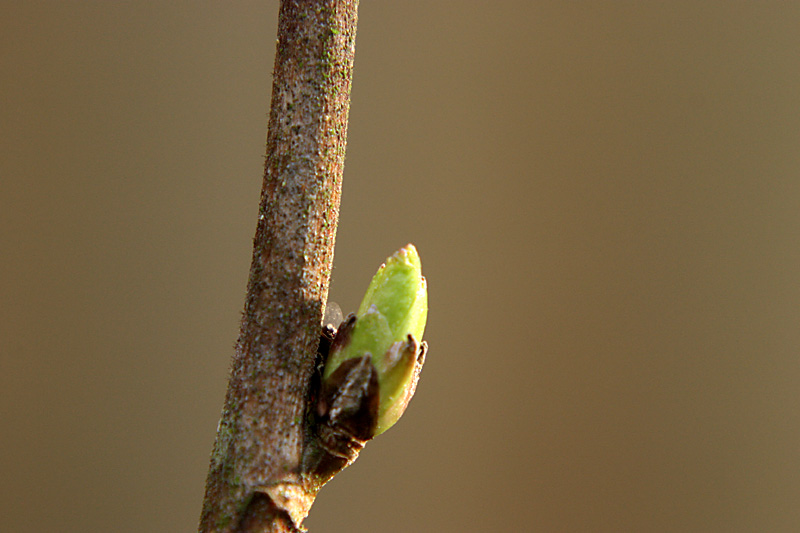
(387, 333)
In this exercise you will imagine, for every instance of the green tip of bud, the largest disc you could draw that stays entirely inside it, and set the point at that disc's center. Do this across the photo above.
(389, 325)
(399, 292)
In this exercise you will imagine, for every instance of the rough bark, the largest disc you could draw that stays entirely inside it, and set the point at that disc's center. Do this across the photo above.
(255, 477)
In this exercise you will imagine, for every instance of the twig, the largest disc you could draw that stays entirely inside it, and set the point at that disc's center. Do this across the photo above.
(254, 479)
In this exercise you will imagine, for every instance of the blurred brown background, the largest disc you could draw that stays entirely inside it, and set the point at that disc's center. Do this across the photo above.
(605, 196)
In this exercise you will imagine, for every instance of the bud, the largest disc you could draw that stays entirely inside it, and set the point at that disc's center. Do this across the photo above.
(388, 327)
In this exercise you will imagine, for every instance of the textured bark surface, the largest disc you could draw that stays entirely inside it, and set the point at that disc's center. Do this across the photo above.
(254, 481)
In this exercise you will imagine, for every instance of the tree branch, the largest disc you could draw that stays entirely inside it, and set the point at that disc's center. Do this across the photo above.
(255, 481)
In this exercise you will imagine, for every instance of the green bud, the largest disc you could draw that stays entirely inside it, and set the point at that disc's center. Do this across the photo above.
(389, 327)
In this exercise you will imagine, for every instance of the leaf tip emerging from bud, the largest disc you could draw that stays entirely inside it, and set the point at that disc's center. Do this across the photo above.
(389, 326)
